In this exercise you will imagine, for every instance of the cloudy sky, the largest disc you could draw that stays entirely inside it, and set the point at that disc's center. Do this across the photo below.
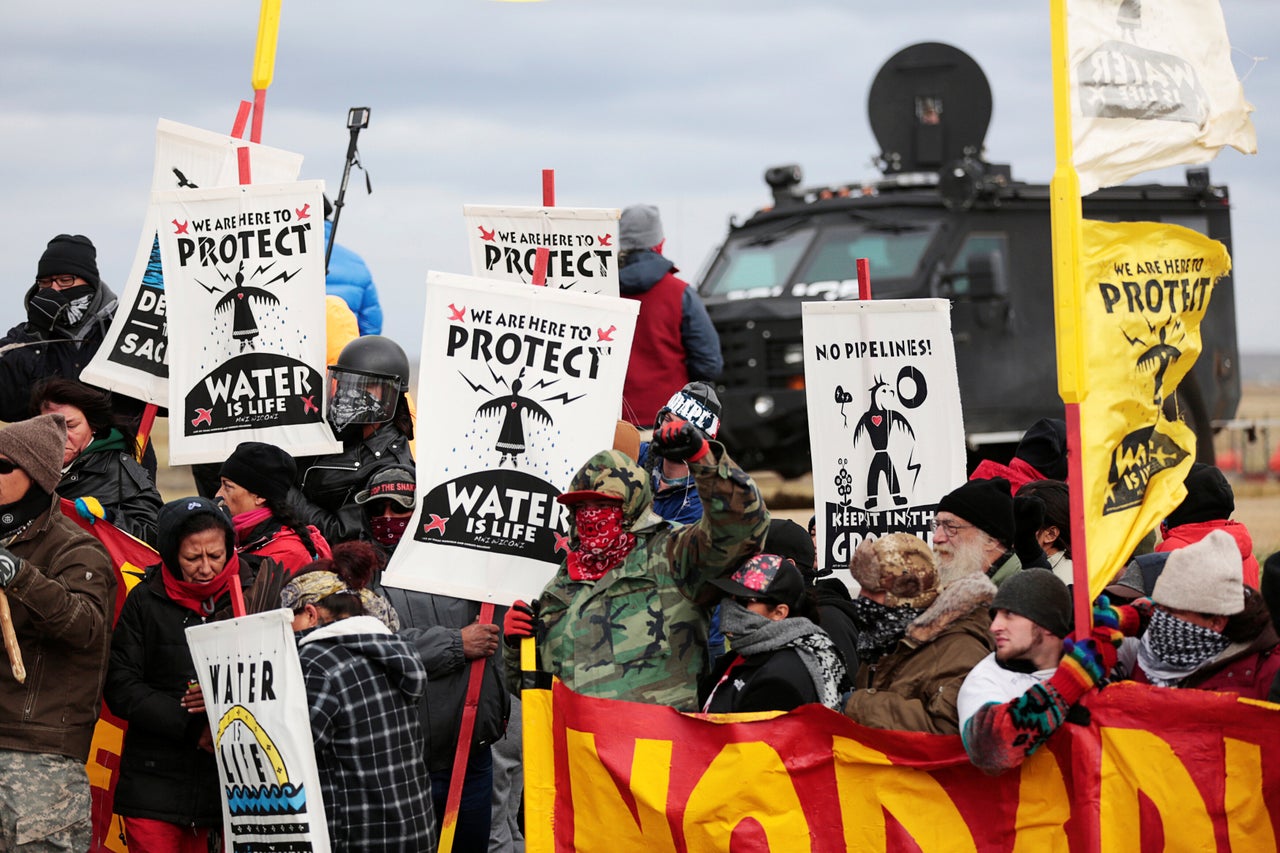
(679, 103)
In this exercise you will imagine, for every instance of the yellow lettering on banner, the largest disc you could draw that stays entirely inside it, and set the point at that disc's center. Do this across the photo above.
(1043, 806)
(600, 815)
(1248, 821)
(746, 780)
(1135, 760)
(912, 796)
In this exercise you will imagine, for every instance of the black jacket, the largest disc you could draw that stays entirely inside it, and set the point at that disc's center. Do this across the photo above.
(164, 775)
(432, 624)
(61, 352)
(120, 484)
(836, 616)
(774, 681)
(329, 484)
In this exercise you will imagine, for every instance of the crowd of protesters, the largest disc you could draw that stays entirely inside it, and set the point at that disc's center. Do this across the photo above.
(677, 588)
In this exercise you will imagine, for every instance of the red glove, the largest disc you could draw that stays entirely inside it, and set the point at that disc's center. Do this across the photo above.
(517, 624)
(680, 441)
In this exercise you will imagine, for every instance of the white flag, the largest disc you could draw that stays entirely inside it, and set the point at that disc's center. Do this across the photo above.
(1152, 86)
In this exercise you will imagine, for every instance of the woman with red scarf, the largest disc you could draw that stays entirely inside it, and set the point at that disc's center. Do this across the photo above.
(168, 786)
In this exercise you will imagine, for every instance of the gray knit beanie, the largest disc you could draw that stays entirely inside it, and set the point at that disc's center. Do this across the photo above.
(640, 227)
(1040, 596)
(1204, 577)
(36, 446)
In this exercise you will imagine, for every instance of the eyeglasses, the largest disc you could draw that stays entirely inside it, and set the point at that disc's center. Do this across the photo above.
(61, 282)
(951, 527)
(7, 466)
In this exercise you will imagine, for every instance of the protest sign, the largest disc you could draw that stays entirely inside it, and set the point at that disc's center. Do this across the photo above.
(245, 283)
(257, 705)
(885, 427)
(525, 384)
(133, 359)
(580, 241)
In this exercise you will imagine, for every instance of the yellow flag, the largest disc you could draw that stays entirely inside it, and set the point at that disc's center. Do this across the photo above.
(1145, 290)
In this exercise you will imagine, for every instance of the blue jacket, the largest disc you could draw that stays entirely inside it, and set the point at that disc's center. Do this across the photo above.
(351, 280)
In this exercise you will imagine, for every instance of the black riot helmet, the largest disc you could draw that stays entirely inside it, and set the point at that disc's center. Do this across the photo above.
(366, 383)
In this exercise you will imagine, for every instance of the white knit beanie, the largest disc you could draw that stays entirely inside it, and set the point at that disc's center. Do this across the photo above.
(1204, 577)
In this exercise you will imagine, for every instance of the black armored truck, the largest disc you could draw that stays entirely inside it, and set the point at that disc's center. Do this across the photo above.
(939, 222)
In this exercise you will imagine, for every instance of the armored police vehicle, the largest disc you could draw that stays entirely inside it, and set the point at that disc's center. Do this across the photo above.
(940, 222)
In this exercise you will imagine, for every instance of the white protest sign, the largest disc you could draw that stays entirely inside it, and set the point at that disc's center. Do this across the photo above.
(244, 280)
(133, 359)
(525, 384)
(581, 244)
(257, 705)
(885, 426)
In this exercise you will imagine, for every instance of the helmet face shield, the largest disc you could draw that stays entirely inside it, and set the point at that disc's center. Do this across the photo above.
(357, 397)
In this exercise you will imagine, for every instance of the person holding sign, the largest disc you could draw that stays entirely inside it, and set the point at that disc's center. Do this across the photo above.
(625, 616)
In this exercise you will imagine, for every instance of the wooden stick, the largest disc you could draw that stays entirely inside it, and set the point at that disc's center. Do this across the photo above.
(11, 647)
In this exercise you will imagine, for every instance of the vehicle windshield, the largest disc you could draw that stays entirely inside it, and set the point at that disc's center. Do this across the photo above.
(814, 262)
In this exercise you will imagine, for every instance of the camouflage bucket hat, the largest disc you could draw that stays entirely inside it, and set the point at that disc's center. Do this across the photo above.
(901, 566)
(309, 588)
(611, 475)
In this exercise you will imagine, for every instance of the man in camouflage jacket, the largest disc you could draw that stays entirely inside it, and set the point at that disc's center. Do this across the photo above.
(639, 631)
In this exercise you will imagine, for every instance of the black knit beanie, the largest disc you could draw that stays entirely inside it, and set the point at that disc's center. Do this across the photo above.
(1209, 497)
(1039, 595)
(70, 254)
(1044, 447)
(986, 504)
(263, 469)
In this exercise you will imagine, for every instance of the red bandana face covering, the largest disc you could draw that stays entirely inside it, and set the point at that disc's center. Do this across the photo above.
(602, 544)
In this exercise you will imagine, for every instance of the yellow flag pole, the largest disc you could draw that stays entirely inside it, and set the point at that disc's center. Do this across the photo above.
(1073, 378)
(264, 62)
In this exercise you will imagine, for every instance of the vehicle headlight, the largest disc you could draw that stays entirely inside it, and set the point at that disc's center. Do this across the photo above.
(793, 354)
(764, 405)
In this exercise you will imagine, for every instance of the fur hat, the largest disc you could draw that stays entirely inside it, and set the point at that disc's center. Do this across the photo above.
(986, 504)
(900, 565)
(1039, 595)
(640, 227)
(70, 254)
(263, 469)
(1203, 577)
(36, 446)
(1209, 497)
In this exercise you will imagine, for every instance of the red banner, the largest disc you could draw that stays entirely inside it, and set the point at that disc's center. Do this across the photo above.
(1148, 769)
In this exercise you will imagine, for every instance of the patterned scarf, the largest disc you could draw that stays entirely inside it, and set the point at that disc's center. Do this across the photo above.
(880, 627)
(752, 634)
(1173, 648)
(602, 544)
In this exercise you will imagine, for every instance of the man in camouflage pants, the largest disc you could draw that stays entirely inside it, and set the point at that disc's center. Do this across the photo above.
(625, 616)
(61, 591)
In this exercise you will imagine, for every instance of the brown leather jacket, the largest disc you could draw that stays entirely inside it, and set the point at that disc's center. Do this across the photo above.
(915, 685)
(63, 603)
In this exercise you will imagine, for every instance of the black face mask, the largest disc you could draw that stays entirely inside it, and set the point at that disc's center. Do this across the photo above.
(49, 307)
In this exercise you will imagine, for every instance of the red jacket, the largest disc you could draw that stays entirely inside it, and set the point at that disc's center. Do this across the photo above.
(283, 545)
(1186, 534)
(657, 368)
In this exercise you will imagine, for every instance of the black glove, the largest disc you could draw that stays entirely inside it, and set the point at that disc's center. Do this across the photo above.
(1028, 518)
(680, 441)
(9, 563)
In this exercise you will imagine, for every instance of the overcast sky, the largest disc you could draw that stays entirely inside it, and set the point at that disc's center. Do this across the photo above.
(679, 103)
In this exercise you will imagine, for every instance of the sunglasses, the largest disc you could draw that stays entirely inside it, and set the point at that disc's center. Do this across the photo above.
(747, 601)
(7, 466)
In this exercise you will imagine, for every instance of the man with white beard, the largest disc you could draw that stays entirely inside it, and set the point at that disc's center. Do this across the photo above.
(974, 530)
